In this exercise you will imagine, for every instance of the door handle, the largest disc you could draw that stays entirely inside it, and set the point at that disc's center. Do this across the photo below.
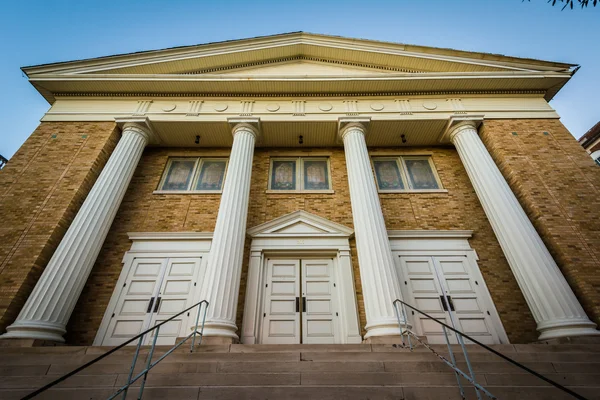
(150, 305)
(444, 305)
(451, 303)
(297, 304)
(157, 304)
(303, 304)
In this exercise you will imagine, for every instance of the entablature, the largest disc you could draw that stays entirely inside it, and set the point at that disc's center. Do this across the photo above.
(178, 120)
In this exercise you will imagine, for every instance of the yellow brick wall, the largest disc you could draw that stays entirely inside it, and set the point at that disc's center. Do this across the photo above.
(143, 211)
(41, 189)
(558, 185)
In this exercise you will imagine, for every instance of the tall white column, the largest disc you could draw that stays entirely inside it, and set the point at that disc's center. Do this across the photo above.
(49, 307)
(377, 271)
(224, 268)
(551, 300)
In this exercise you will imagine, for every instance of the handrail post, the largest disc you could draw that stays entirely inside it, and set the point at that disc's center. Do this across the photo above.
(135, 357)
(195, 327)
(471, 373)
(148, 362)
(406, 327)
(453, 359)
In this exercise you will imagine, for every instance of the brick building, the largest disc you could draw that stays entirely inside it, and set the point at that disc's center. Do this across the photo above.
(590, 141)
(300, 183)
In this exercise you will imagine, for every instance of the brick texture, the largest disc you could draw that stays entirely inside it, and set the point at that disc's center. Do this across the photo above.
(41, 189)
(558, 185)
(142, 211)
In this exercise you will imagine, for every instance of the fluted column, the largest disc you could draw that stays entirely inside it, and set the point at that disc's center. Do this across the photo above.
(224, 268)
(377, 270)
(551, 300)
(49, 307)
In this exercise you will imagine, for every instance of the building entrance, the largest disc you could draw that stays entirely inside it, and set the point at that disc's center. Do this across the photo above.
(300, 302)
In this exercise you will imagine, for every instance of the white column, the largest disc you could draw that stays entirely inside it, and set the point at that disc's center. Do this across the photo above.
(377, 270)
(551, 300)
(49, 307)
(223, 272)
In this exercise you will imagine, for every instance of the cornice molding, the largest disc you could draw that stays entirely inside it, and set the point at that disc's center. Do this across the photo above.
(137, 236)
(298, 94)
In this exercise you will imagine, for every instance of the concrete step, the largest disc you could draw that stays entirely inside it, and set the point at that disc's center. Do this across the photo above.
(294, 392)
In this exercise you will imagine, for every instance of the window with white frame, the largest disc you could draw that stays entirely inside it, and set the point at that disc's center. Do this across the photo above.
(405, 173)
(300, 174)
(187, 174)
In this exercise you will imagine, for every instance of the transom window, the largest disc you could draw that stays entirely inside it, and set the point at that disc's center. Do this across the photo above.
(405, 173)
(300, 174)
(194, 175)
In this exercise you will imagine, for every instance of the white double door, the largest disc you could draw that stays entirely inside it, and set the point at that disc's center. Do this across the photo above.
(424, 281)
(153, 290)
(300, 302)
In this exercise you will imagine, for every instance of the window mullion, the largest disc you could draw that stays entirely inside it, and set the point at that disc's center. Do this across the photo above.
(404, 173)
(195, 174)
(300, 173)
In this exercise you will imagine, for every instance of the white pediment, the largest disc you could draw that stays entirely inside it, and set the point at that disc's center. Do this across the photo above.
(305, 68)
(300, 224)
(299, 63)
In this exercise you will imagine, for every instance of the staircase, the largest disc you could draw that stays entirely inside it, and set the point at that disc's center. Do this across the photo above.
(274, 372)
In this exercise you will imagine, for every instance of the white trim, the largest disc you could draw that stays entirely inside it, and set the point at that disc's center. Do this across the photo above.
(282, 41)
(595, 155)
(187, 192)
(318, 237)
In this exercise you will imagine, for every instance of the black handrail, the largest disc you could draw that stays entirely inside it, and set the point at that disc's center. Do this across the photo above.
(510, 360)
(95, 360)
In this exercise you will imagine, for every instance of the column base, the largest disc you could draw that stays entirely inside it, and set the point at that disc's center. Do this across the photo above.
(566, 328)
(384, 327)
(36, 330)
(218, 329)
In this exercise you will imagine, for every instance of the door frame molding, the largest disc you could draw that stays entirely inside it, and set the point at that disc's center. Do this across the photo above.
(446, 243)
(156, 245)
(300, 235)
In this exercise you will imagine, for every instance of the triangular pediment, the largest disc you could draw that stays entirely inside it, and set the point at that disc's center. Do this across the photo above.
(300, 223)
(298, 62)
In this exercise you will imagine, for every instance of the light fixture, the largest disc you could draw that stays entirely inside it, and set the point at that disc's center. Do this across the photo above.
(197, 141)
(300, 139)
(403, 136)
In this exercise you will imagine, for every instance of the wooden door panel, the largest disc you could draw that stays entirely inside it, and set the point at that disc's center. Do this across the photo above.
(319, 315)
(176, 294)
(281, 321)
(130, 316)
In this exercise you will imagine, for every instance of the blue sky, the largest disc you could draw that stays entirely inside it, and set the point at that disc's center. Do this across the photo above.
(37, 32)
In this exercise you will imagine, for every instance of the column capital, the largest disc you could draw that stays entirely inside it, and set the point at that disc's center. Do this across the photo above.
(139, 125)
(245, 124)
(346, 124)
(458, 124)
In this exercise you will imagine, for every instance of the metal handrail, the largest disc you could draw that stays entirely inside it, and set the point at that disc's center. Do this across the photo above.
(459, 335)
(149, 364)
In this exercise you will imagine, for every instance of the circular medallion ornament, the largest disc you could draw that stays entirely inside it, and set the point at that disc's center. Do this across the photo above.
(273, 107)
(325, 107)
(377, 106)
(429, 105)
(169, 107)
(221, 107)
